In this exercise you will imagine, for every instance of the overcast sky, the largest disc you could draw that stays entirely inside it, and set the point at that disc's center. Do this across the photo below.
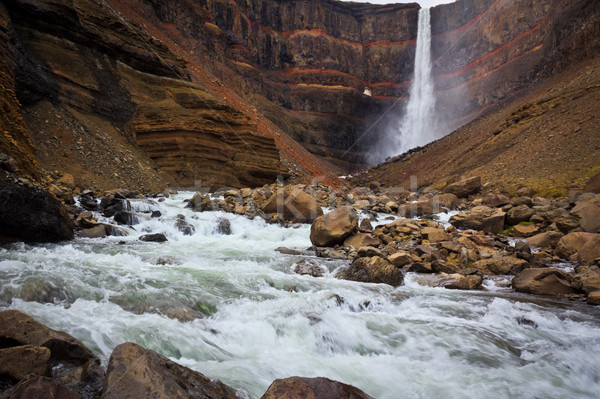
(423, 3)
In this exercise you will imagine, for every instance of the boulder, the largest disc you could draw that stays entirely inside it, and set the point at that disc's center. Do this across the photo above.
(489, 220)
(288, 251)
(183, 226)
(543, 281)
(400, 259)
(135, 372)
(447, 200)
(365, 224)
(367, 252)
(333, 228)
(420, 267)
(362, 240)
(524, 230)
(416, 209)
(202, 203)
(293, 205)
(518, 214)
(309, 267)
(29, 213)
(38, 387)
(587, 278)
(590, 250)
(312, 388)
(156, 237)
(434, 234)
(94, 232)
(451, 281)
(523, 200)
(594, 298)
(588, 212)
(501, 265)
(545, 240)
(373, 270)
(19, 361)
(126, 217)
(223, 226)
(465, 187)
(439, 266)
(572, 243)
(496, 200)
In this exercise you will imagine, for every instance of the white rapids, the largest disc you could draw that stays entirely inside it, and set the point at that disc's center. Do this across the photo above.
(231, 307)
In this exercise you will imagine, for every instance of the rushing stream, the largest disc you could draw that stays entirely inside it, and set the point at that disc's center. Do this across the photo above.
(231, 307)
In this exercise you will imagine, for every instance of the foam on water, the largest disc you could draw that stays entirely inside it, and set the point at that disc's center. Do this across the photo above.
(231, 307)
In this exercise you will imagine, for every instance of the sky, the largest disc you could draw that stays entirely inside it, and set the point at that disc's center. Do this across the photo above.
(423, 3)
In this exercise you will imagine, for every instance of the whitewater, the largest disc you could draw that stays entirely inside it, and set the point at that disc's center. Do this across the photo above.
(231, 307)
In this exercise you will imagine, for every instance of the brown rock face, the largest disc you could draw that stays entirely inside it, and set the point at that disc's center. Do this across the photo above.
(312, 388)
(543, 281)
(17, 362)
(135, 372)
(37, 387)
(333, 228)
(293, 205)
(573, 243)
(373, 269)
(489, 220)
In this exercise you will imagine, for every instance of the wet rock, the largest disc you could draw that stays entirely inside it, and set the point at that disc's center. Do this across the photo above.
(364, 252)
(489, 220)
(421, 267)
(288, 251)
(293, 205)
(400, 259)
(94, 232)
(135, 372)
(451, 281)
(417, 209)
(501, 265)
(523, 231)
(439, 266)
(38, 387)
(333, 228)
(125, 217)
(465, 187)
(202, 203)
(365, 224)
(434, 234)
(545, 240)
(309, 267)
(156, 237)
(362, 240)
(373, 270)
(572, 243)
(588, 212)
(29, 213)
(543, 281)
(115, 231)
(19, 361)
(518, 214)
(224, 226)
(88, 202)
(186, 228)
(594, 298)
(447, 200)
(312, 388)
(567, 224)
(155, 214)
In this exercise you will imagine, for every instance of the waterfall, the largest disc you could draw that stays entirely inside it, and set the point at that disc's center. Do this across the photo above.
(418, 126)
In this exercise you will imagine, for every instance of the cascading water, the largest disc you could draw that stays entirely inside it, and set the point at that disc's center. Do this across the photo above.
(418, 125)
(231, 307)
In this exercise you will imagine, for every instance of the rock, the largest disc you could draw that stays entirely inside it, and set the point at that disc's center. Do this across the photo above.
(186, 228)
(421, 267)
(202, 203)
(489, 220)
(465, 187)
(522, 230)
(135, 372)
(293, 205)
(519, 201)
(525, 192)
(501, 265)
(496, 200)
(364, 252)
(115, 231)
(125, 217)
(19, 361)
(38, 387)
(94, 232)
(362, 240)
(400, 259)
(416, 209)
(224, 226)
(8, 163)
(590, 250)
(312, 388)
(365, 224)
(246, 192)
(447, 200)
(156, 237)
(288, 251)
(310, 267)
(333, 228)
(451, 281)
(588, 212)
(88, 202)
(543, 281)
(32, 214)
(434, 234)
(155, 214)
(594, 298)
(373, 270)
(439, 266)
(572, 243)
(518, 214)
(545, 240)
(587, 278)
(67, 180)
(567, 224)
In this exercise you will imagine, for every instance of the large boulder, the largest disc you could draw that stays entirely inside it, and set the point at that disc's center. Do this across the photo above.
(333, 228)
(453, 281)
(312, 388)
(19, 361)
(543, 281)
(572, 243)
(544, 240)
(373, 270)
(588, 212)
(362, 240)
(590, 250)
(518, 214)
(419, 208)
(135, 372)
(434, 234)
(39, 387)
(489, 220)
(501, 265)
(587, 278)
(29, 213)
(447, 200)
(464, 188)
(293, 205)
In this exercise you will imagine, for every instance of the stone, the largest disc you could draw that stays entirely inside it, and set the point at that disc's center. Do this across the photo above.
(501, 265)
(333, 228)
(572, 243)
(567, 224)
(451, 281)
(365, 224)
(523, 231)
(223, 226)
(594, 298)
(155, 214)
(67, 180)
(495, 200)
(373, 270)
(587, 278)
(186, 228)
(94, 232)
(364, 252)
(525, 192)
(434, 234)
(421, 267)
(545, 240)
(116, 231)
(362, 240)
(543, 281)
(519, 201)
(202, 203)
(156, 237)
(293, 205)
(590, 250)
(246, 192)
(400, 259)
(309, 267)
(518, 214)
(312, 388)
(588, 212)
(465, 187)
(126, 217)
(439, 266)
(32, 214)
(489, 220)
(19, 361)
(39, 387)
(417, 209)
(288, 251)
(135, 372)
(447, 200)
